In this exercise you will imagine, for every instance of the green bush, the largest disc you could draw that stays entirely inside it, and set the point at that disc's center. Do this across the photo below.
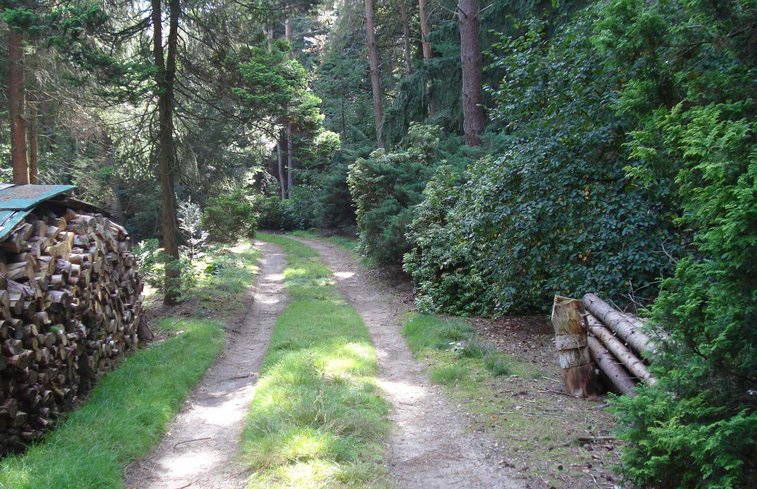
(228, 218)
(269, 212)
(385, 187)
(553, 211)
(298, 212)
(691, 95)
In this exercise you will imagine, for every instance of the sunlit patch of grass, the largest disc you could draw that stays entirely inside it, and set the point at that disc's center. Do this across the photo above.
(349, 243)
(221, 272)
(124, 417)
(317, 419)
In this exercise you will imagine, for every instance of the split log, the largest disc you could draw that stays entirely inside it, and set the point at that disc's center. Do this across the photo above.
(621, 352)
(619, 324)
(614, 371)
(571, 341)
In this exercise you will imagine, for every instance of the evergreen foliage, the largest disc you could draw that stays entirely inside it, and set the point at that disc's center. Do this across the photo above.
(385, 186)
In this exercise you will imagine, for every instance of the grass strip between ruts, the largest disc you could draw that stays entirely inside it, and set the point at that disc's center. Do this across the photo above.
(317, 419)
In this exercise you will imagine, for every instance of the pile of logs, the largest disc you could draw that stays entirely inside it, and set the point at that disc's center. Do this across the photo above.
(592, 330)
(70, 309)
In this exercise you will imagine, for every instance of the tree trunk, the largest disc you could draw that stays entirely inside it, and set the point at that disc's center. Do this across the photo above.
(626, 357)
(33, 138)
(615, 373)
(290, 158)
(618, 323)
(570, 339)
(290, 124)
(16, 104)
(427, 54)
(375, 75)
(406, 37)
(280, 160)
(470, 55)
(165, 75)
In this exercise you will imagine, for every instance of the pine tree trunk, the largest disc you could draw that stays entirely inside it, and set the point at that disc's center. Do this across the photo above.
(16, 104)
(470, 55)
(280, 161)
(165, 75)
(33, 138)
(425, 31)
(290, 124)
(406, 37)
(375, 75)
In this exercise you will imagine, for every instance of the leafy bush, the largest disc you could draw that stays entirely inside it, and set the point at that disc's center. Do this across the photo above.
(385, 187)
(229, 217)
(552, 212)
(298, 211)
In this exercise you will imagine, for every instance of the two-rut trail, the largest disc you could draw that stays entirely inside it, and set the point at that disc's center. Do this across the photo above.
(428, 447)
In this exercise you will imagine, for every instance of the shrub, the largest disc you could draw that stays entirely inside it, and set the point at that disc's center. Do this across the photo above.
(269, 212)
(298, 211)
(228, 218)
(385, 187)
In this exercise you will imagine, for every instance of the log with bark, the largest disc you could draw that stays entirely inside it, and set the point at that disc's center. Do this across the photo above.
(612, 369)
(619, 324)
(619, 350)
(70, 310)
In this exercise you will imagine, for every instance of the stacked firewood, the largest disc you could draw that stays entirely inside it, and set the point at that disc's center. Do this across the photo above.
(617, 344)
(70, 309)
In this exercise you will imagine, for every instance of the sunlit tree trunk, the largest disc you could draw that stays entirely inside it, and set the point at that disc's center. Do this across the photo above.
(280, 161)
(470, 55)
(16, 104)
(375, 75)
(164, 78)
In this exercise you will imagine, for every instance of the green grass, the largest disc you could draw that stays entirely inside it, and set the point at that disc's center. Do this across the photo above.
(223, 276)
(454, 352)
(128, 411)
(346, 242)
(317, 419)
(124, 417)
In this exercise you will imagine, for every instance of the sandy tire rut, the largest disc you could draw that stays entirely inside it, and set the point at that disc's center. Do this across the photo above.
(428, 446)
(201, 446)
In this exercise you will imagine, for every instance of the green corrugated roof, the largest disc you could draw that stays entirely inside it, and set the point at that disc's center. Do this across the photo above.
(17, 201)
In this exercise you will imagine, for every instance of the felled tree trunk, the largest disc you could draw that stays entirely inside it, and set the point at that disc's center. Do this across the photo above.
(571, 341)
(615, 373)
(621, 352)
(618, 323)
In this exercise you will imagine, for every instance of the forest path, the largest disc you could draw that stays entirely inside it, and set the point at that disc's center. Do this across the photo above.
(428, 448)
(200, 447)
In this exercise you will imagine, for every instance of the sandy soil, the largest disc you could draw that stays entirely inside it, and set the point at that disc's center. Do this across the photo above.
(200, 447)
(429, 447)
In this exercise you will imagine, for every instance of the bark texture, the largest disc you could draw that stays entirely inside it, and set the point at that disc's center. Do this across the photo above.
(425, 31)
(375, 75)
(618, 323)
(571, 341)
(470, 55)
(621, 352)
(616, 374)
(16, 103)
(165, 76)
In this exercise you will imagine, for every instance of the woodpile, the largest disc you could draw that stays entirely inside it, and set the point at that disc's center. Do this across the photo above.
(70, 308)
(617, 344)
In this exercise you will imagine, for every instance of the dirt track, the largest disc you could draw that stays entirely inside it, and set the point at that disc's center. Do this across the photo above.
(429, 448)
(200, 447)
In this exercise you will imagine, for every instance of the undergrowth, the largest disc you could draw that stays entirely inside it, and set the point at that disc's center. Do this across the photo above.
(317, 419)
